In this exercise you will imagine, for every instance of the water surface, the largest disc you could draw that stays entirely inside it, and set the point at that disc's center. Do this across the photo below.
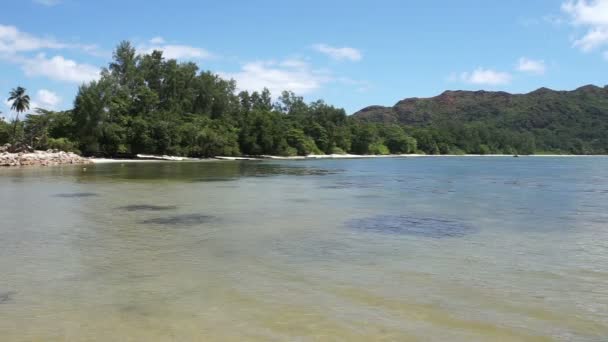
(440, 249)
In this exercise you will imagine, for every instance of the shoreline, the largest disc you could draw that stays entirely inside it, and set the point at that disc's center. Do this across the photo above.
(152, 159)
(41, 158)
(53, 158)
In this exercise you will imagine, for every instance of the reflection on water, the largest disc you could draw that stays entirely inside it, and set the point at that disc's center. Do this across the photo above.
(441, 249)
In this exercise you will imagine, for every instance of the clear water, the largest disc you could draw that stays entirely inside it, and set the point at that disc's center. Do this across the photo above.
(434, 249)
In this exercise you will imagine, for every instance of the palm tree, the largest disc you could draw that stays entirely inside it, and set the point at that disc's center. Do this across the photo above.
(21, 103)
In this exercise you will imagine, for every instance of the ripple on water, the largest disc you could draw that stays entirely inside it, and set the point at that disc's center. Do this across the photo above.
(299, 200)
(352, 184)
(180, 220)
(146, 207)
(76, 195)
(290, 171)
(412, 225)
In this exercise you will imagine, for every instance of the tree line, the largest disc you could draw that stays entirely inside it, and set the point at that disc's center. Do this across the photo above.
(144, 103)
(149, 104)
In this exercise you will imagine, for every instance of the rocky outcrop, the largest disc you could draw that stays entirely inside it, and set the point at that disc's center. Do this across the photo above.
(41, 158)
(17, 148)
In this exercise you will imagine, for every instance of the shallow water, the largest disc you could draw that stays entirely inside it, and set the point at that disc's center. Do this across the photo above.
(439, 249)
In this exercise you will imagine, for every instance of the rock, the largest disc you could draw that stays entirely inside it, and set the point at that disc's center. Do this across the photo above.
(40, 158)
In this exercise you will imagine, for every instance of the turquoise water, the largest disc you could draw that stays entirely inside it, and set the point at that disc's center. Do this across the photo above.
(441, 248)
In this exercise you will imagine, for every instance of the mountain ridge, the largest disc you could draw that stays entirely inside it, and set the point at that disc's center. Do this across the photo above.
(575, 121)
(379, 113)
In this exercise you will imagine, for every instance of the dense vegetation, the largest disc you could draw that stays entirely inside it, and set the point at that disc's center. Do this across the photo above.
(498, 122)
(147, 104)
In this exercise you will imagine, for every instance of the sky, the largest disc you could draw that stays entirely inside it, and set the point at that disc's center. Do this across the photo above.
(351, 54)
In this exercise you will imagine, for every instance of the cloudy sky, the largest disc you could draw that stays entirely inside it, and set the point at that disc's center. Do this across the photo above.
(349, 53)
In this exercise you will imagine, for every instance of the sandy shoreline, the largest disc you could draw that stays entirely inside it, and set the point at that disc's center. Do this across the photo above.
(151, 159)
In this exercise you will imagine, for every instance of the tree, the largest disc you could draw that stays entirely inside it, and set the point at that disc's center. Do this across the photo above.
(21, 103)
(363, 137)
(37, 128)
(397, 141)
(5, 134)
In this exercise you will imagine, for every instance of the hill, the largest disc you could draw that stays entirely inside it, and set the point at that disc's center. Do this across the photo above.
(558, 121)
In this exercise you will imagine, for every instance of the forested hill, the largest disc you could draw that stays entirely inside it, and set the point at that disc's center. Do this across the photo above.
(573, 121)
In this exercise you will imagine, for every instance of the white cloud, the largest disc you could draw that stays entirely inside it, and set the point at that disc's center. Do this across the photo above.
(181, 52)
(60, 69)
(587, 12)
(339, 53)
(294, 75)
(532, 66)
(174, 51)
(592, 15)
(47, 99)
(48, 3)
(12, 41)
(593, 39)
(483, 76)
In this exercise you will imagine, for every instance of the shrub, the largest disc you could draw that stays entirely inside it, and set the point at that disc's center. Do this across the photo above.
(62, 144)
(378, 148)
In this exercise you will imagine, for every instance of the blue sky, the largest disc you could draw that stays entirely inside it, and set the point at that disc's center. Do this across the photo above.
(350, 53)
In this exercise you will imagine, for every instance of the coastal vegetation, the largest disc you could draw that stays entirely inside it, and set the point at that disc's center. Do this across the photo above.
(146, 104)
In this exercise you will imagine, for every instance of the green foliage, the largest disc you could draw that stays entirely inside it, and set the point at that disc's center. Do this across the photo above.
(378, 148)
(337, 150)
(498, 122)
(20, 102)
(362, 137)
(397, 141)
(303, 144)
(62, 144)
(5, 132)
(148, 104)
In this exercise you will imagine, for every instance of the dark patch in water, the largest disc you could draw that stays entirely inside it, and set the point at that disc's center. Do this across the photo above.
(410, 225)
(368, 196)
(299, 200)
(355, 184)
(180, 220)
(7, 296)
(213, 179)
(146, 207)
(288, 171)
(133, 309)
(77, 195)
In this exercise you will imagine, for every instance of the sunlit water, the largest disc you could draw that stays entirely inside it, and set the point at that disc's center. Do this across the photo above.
(433, 249)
